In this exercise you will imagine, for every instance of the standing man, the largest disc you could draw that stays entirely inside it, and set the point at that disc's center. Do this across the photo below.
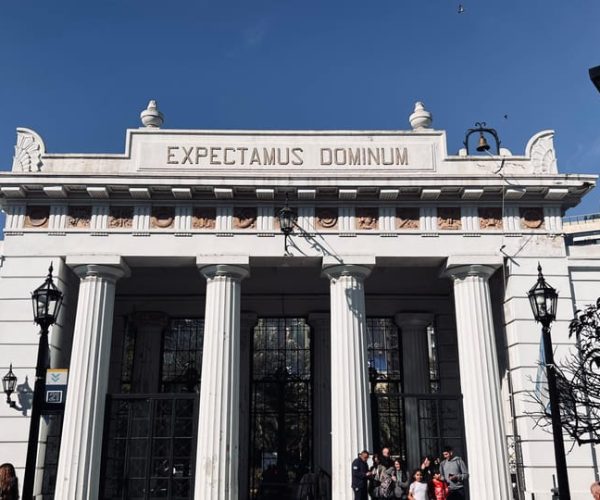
(454, 471)
(360, 476)
(386, 457)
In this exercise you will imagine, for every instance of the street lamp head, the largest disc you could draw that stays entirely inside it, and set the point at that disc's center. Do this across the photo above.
(46, 301)
(287, 217)
(543, 299)
(9, 383)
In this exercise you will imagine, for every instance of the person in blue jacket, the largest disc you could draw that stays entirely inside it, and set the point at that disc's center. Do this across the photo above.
(360, 476)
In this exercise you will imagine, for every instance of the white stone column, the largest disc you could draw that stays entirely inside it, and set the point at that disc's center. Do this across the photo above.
(218, 427)
(350, 404)
(415, 360)
(78, 474)
(480, 382)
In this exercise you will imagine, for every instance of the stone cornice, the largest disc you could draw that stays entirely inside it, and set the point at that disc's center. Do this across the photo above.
(564, 190)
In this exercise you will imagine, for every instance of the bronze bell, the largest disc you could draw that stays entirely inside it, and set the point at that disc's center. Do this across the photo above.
(483, 144)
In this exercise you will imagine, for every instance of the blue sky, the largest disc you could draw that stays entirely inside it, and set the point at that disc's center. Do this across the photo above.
(79, 73)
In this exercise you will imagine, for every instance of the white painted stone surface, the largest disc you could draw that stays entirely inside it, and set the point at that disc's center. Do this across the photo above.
(78, 474)
(218, 427)
(350, 404)
(480, 382)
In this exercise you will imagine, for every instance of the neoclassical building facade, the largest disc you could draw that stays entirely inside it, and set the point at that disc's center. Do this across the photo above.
(211, 356)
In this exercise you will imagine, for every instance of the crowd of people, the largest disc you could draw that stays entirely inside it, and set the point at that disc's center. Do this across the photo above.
(436, 478)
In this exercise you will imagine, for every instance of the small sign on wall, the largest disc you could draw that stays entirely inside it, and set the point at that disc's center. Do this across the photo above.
(56, 390)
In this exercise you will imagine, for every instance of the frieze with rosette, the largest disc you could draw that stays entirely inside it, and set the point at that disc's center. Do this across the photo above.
(407, 218)
(204, 218)
(79, 217)
(326, 218)
(367, 218)
(120, 217)
(449, 218)
(162, 217)
(244, 217)
(490, 218)
(37, 217)
(532, 217)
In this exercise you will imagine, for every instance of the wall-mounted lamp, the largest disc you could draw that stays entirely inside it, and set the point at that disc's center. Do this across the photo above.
(9, 383)
(287, 220)
(482, 145)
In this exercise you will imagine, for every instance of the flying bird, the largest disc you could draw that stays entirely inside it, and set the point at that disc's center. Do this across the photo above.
(461, 9)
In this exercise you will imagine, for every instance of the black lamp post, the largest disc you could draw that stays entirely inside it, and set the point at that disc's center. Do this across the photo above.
(287, 219)
(543, 299)
(46, 300)
(9, 382)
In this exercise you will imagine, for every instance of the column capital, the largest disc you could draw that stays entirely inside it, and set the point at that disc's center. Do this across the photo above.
(111, 267)
(416, 319)
(111, 273)
(461, 266)
(335, 272)
(235, 272)
(460, 272)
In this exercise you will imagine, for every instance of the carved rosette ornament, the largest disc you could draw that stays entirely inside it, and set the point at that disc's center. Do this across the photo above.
(326, 218)
(37, 217)
(407, 218)
(532, 218)
(162, 217)
(79, 217)
(204, 218)
(449, 218)
(367, 218)
(244, 217)
(490, 218)
(120, 217)
(28, 151)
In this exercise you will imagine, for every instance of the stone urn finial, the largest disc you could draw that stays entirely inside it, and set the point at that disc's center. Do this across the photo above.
(420, 118)
(151, 117)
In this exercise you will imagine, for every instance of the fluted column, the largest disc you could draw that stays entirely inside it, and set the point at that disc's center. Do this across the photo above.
(218, 427)
(350, 405)
(480, 383)
(78, 474)
(415, 360)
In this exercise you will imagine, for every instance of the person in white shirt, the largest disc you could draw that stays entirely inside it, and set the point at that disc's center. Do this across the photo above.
(419, 489)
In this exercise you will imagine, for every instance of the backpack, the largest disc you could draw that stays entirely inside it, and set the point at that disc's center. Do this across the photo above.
(386, 488)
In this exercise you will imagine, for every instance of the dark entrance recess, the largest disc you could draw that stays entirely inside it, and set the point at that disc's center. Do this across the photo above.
(150, 439)
(281, 408)
(385, 377)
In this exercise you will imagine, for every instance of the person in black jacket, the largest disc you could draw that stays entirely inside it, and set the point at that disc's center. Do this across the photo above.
(360, 476)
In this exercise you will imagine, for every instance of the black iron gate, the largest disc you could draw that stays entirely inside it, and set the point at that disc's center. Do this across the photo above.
(149, 448)
(281, 408)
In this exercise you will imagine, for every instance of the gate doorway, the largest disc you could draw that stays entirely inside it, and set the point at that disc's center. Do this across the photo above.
(280, 408)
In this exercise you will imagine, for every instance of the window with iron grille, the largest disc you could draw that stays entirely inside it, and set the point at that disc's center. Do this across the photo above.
(386, 379)
(182, 355)
(281, 407)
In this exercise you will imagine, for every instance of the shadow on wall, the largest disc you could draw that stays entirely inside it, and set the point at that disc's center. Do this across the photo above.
(24, 394)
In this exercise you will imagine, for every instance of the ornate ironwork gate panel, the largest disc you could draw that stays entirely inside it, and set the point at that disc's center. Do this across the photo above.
(150, 447)
(281, 407)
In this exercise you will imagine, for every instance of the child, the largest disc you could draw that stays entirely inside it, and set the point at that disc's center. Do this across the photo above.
(419, 489)
(440, 488)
